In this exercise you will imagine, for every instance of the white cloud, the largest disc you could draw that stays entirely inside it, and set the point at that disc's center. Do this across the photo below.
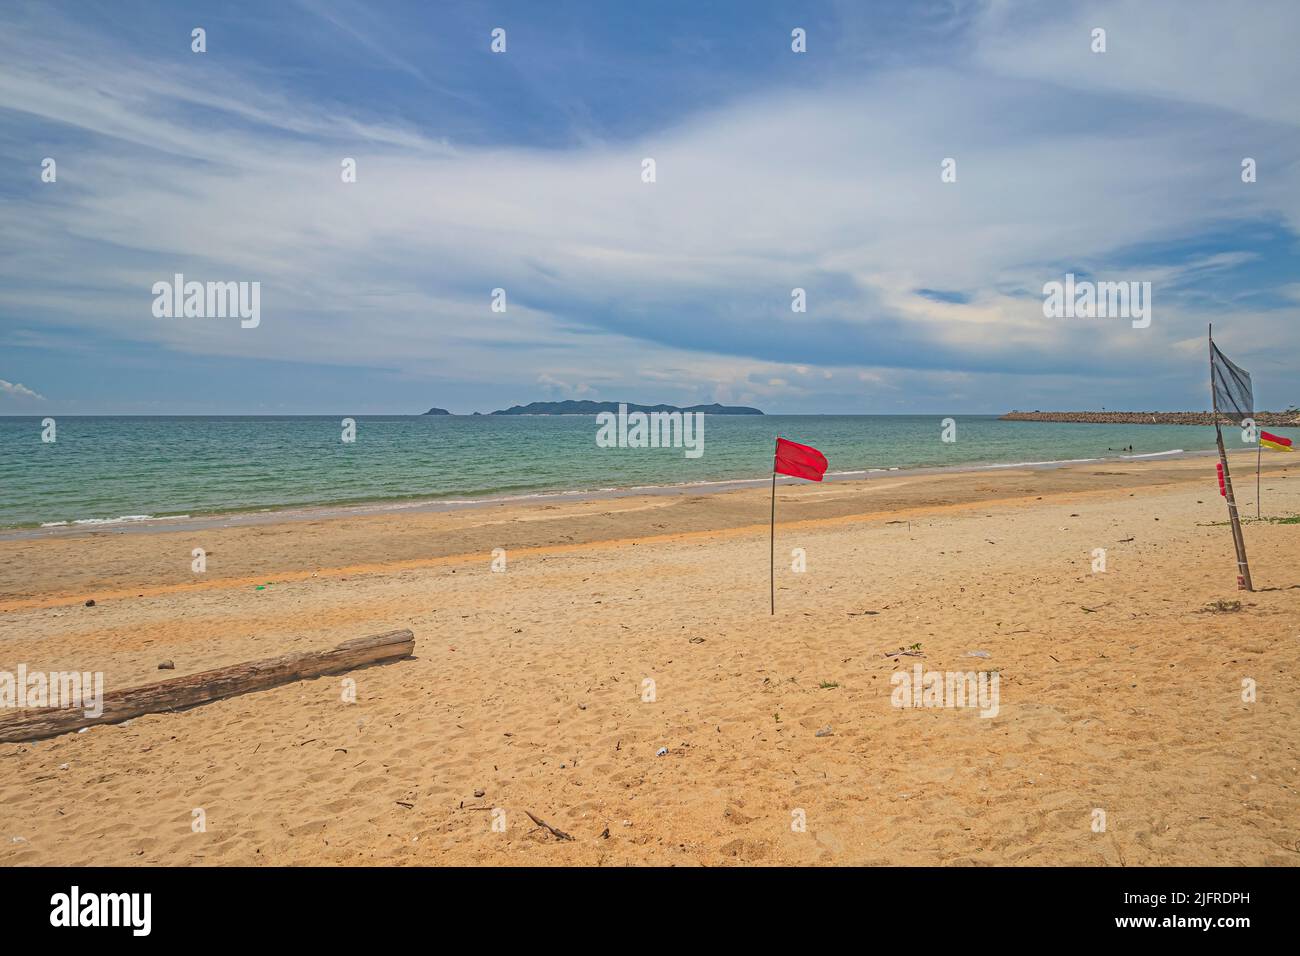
(17, 391)
(1239, 58)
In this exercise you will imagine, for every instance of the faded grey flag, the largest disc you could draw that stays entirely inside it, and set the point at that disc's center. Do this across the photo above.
(1230, 385)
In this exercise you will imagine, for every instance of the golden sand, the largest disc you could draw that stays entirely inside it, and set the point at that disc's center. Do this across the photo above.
(1119, 691)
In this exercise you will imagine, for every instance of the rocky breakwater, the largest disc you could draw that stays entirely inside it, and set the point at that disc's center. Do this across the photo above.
(1279, 419)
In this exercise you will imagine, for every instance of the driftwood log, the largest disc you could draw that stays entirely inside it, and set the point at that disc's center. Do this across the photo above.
(182, 692)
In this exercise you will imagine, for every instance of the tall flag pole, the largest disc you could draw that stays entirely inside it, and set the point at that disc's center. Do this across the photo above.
(771, 548)
(1231, 384)
(801, 461)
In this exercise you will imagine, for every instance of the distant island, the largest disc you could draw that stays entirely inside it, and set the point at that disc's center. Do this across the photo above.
(571, 407)
(1289, 417)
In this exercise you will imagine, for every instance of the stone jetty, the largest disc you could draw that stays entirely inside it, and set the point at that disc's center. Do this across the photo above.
(1279, 419)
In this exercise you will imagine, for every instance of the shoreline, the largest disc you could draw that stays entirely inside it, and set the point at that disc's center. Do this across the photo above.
(148, 560)
(149, 523)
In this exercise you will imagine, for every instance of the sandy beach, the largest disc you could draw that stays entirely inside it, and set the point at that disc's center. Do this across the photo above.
(1120, 691)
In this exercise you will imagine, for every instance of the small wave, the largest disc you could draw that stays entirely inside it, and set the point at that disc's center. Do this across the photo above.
(1031, 464)
(700, 484)
(119, 520)
(1156, 454)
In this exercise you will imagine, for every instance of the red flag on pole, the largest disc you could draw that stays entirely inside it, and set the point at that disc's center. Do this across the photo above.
(801, 461)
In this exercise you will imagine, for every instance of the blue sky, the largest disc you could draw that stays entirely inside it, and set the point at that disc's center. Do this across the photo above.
(521, 171)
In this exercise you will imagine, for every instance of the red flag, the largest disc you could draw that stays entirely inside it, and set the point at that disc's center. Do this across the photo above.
(802, 461)
(1223, 491)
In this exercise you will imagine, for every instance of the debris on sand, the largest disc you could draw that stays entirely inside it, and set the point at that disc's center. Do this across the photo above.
(558, 834)
(1222, 607)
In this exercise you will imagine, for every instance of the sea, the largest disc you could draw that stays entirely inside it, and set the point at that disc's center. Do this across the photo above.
(110, 470)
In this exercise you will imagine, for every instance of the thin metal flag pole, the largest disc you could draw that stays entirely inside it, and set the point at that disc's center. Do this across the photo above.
(1243, 567)
(771, 553)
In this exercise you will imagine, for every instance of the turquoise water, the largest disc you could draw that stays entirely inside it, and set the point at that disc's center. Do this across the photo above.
(106, 468)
